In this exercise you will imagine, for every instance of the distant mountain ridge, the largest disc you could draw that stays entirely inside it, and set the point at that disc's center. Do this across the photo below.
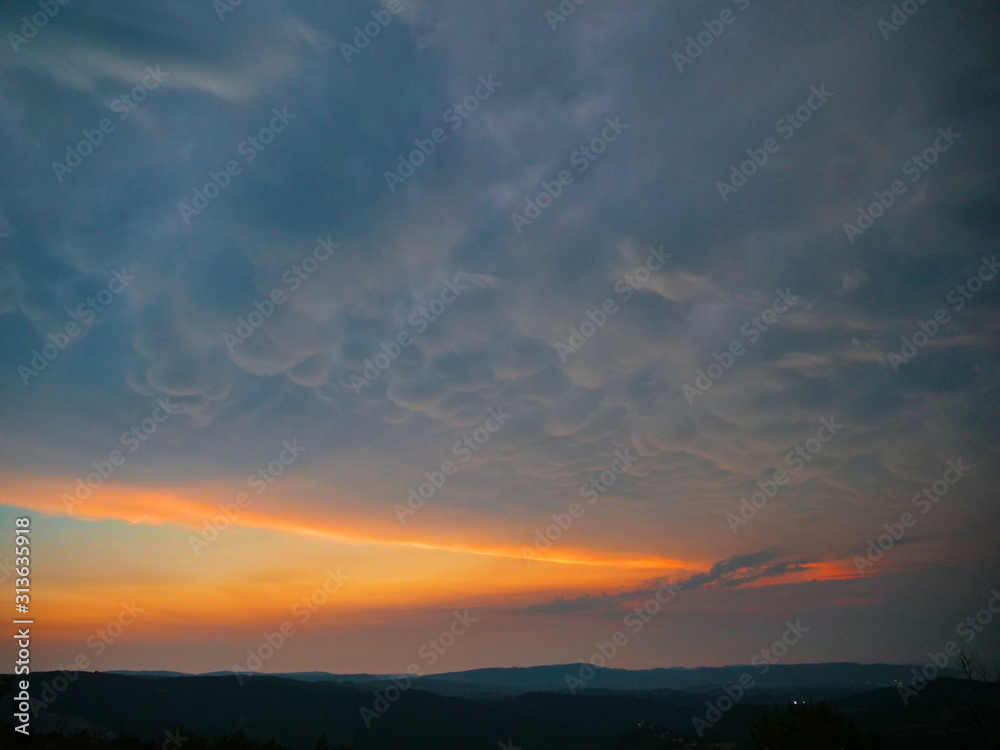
(552, 678)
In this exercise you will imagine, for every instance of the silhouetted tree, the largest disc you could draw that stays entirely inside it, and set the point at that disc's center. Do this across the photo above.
(88, 741)
(979, 715)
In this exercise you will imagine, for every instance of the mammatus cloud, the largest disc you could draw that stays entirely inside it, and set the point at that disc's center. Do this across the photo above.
(428, 308)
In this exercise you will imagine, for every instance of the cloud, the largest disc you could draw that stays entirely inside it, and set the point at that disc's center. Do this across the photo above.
(497, 342)
(732, 573)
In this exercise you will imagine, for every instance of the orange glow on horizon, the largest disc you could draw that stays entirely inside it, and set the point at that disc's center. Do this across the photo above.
(394, 574)
(143, 505)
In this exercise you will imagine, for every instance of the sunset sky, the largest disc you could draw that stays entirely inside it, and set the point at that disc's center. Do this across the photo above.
(488, 250)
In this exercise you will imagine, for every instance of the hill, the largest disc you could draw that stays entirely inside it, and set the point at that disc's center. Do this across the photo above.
(295, 712)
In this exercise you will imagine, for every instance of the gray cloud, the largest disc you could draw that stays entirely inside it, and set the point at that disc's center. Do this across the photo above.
(497, 342)
(731, 573)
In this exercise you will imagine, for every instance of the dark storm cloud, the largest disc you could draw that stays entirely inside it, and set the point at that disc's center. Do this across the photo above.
(497, 342)
(731, 573)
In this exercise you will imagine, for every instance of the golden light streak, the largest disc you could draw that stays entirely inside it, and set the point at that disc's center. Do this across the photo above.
(155, 506)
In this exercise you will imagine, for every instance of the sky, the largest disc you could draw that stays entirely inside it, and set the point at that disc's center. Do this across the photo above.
(390, 319)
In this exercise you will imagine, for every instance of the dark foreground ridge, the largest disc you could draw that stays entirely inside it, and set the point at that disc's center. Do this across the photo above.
(496, 709)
